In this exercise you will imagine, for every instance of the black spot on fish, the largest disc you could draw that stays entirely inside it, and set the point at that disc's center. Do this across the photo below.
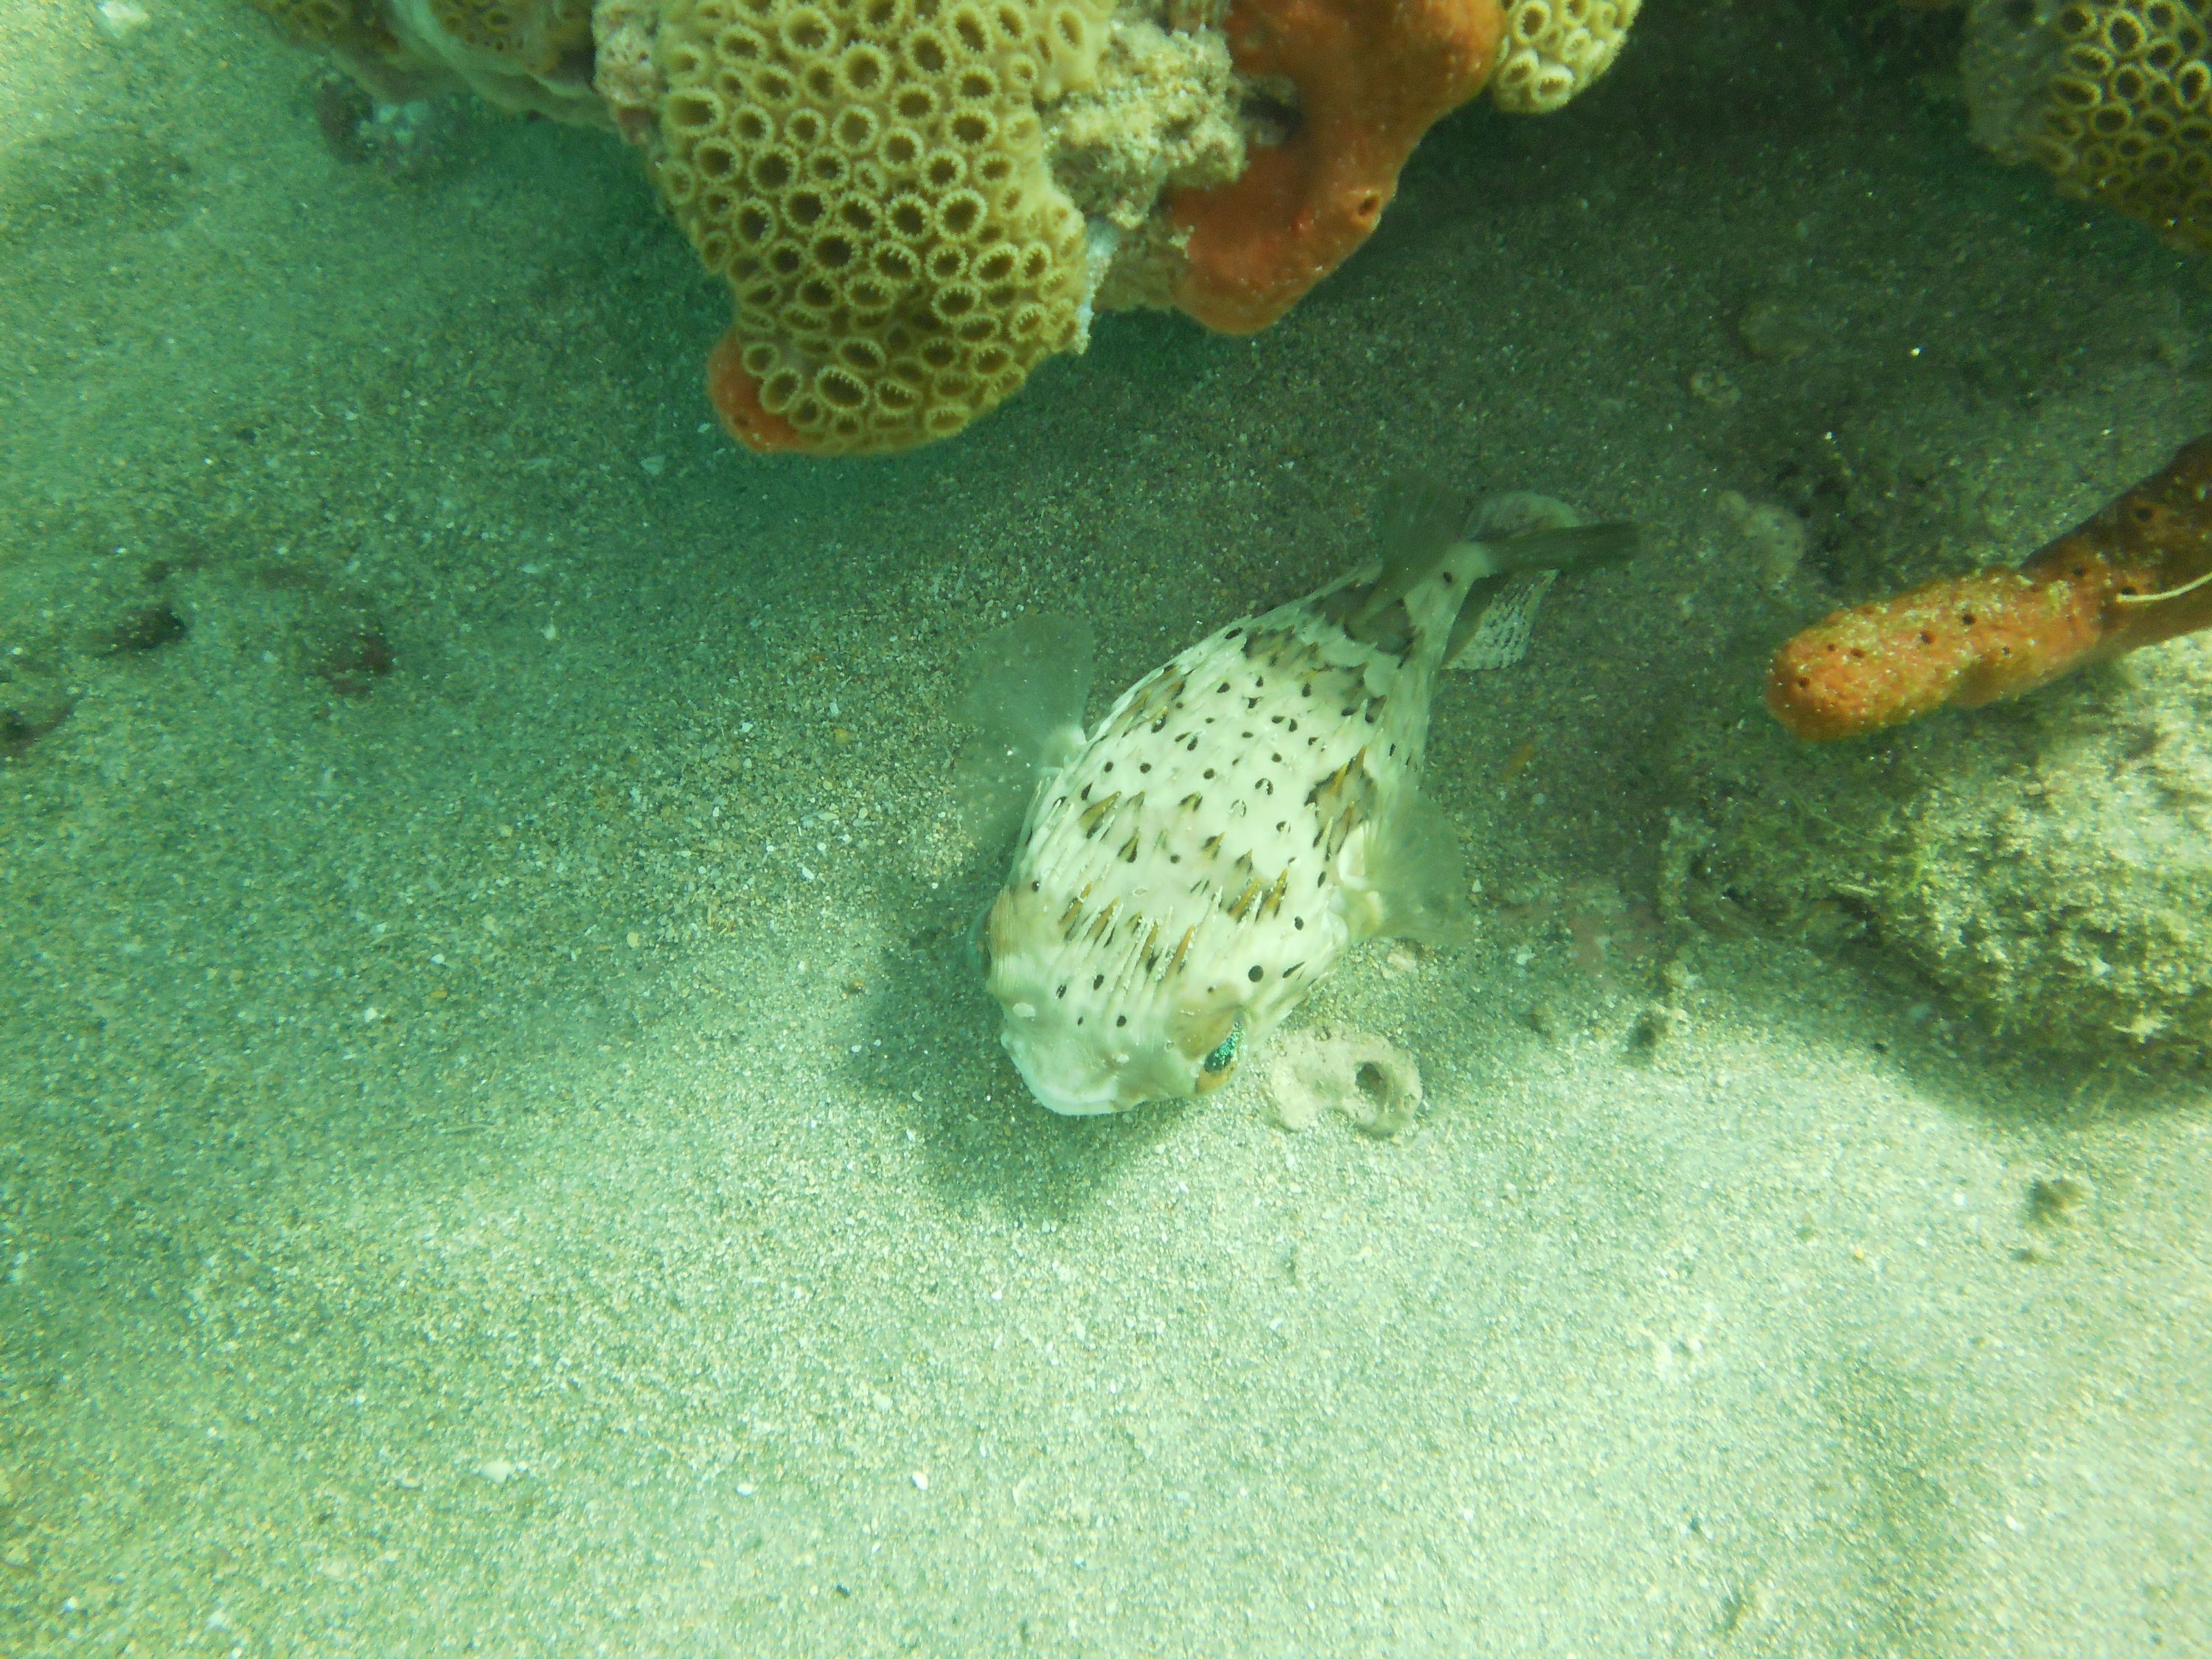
(1107, 766)
(1086, 792)
(1097, 980)
(1144, 766)
(1207, 773)
(1232, 633)
(1294, 725)
(1219, 688)
(1292, 969)
(1062, 992)
(1305, 690)
(1256, 973)
(1121, 1020)
(1298, 922)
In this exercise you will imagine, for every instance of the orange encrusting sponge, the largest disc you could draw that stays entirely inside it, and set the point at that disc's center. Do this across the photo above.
(1372, 76)
(2137, 573)
(736, 397)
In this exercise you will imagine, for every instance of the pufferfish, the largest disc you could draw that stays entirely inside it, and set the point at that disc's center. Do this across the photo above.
(1192, 866)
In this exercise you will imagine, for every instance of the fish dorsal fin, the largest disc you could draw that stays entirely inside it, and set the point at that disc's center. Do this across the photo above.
(1417, 521)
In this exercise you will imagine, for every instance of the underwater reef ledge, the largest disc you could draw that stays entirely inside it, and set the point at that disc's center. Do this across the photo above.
(917, 202)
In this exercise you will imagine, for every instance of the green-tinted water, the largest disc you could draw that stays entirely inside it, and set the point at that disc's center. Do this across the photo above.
(503, 1147)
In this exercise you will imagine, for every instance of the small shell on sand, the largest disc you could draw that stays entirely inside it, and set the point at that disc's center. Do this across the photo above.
(1374, 1082)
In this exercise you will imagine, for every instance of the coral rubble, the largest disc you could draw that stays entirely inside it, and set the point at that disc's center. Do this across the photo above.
(1370, 1080)
(530, 57)
(2137, 573)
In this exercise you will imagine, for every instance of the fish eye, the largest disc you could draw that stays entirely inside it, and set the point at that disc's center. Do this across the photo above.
(1215, 1065)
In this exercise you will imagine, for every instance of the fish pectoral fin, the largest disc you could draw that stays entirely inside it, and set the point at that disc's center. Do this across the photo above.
(1416, 875)
(1027, 682)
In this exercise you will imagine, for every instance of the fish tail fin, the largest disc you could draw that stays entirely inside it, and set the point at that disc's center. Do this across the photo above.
(1573, 547)
(1495, 568)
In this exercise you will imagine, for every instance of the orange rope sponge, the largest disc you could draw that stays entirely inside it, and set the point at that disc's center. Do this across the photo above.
(1372, 76)
(2137, 573)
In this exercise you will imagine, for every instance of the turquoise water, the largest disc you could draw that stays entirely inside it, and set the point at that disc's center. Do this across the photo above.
(503, 1147)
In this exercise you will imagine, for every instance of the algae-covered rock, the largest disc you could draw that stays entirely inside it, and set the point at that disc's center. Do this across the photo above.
(2049, 863)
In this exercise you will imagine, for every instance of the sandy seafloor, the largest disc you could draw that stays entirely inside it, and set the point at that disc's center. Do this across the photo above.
(519, 1161)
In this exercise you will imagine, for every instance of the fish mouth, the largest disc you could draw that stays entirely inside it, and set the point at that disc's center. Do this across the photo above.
(1099, 1095)
(1075, 1082)
(1079, 1106)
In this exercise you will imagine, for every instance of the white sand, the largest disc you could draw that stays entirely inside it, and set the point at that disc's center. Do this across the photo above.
(519, 1161)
